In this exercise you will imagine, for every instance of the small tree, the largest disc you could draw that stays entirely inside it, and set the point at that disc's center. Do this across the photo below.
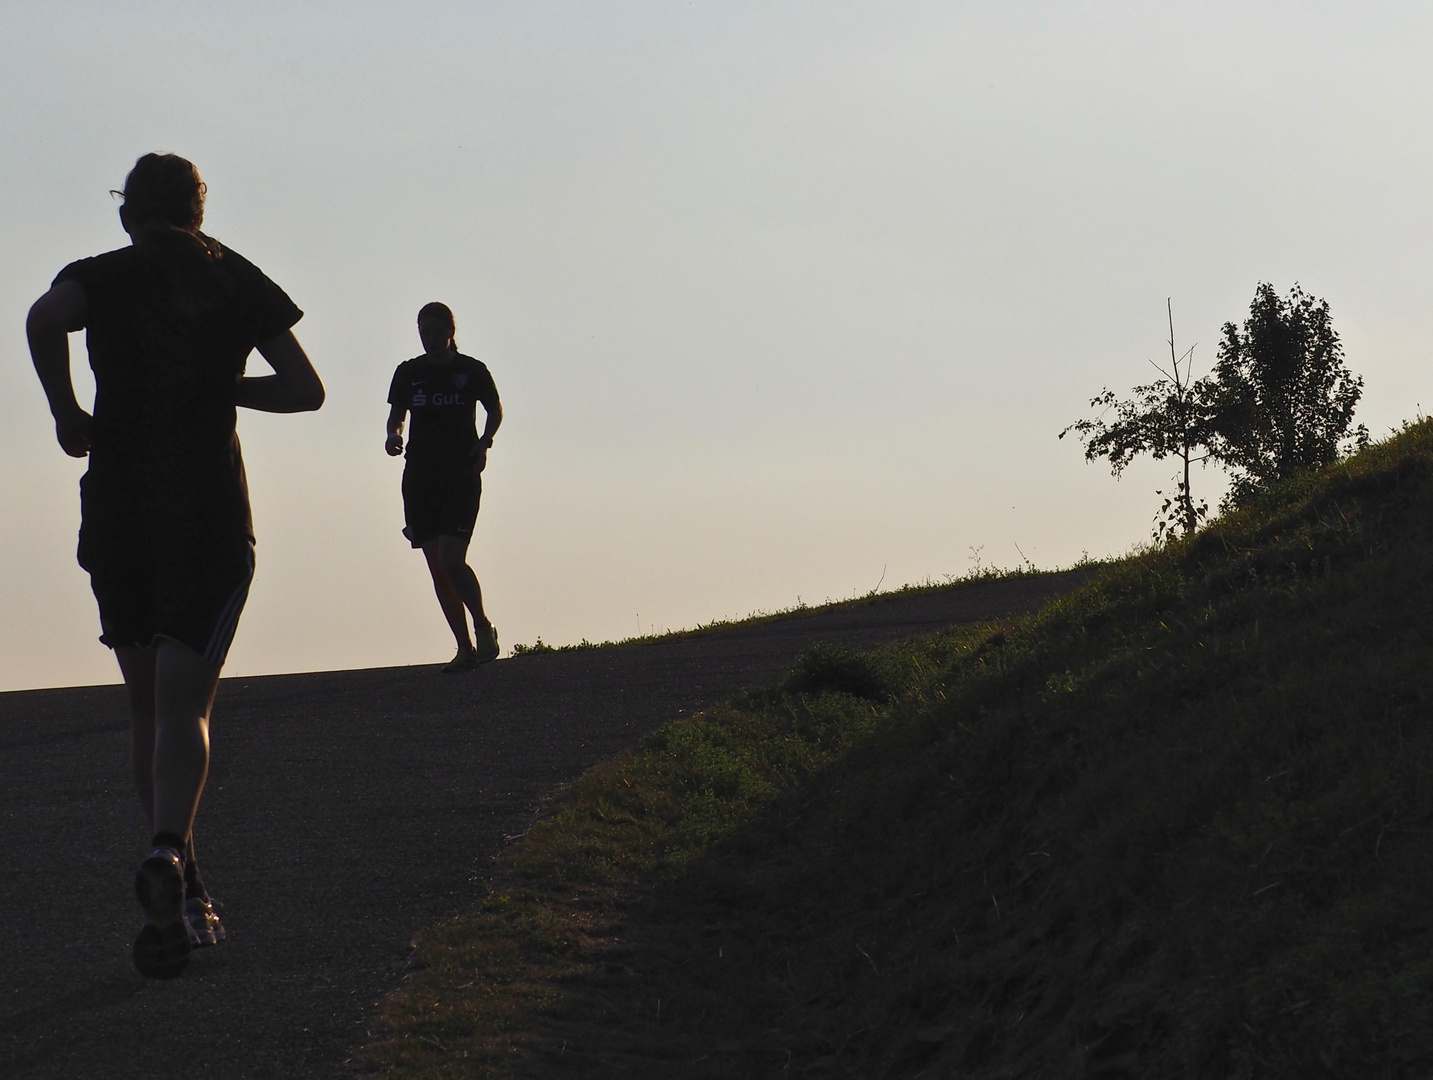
(1281, 399)
(1165, 418)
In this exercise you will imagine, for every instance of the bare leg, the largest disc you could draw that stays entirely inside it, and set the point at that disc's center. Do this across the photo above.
(448, 598)
(453, 553)
(137, 666)
(171, 690)
(184, 686)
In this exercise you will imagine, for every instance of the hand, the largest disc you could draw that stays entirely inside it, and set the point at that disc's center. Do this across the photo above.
(73, 433)
(394, 445)
(479, 458)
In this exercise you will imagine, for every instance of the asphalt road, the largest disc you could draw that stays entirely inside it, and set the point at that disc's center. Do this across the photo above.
(344, 812)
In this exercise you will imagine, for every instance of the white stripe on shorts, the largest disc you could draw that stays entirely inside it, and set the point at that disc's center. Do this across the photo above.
(217, 651)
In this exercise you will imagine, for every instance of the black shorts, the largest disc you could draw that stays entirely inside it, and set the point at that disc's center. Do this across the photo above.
(189, 593)
(440, 504)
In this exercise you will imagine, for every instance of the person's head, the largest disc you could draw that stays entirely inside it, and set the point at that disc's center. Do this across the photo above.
(436, 328)
(162, 189)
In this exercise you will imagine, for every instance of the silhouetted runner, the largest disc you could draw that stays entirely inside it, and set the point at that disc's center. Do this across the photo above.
(165, 528)
(443, 474)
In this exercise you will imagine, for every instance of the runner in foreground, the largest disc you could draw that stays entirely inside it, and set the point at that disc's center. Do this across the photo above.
(165, 530)
(442, 478)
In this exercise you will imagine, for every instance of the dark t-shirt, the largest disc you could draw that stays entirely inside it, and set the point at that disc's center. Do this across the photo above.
(442, 399)
(169, 329)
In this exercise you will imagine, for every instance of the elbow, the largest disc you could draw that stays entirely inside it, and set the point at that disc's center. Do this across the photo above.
(313, 398)
(308, 394)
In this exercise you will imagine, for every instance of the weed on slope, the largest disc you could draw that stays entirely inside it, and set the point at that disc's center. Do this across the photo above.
(1178, 824)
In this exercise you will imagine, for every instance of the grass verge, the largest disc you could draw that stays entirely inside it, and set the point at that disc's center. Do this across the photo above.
(1177, 824)
(980, 575)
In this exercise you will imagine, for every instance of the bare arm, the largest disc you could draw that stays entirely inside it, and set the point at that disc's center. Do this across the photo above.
(293, 387)
(51, 320)
(494, 410)
(394, 443)
(494, 421)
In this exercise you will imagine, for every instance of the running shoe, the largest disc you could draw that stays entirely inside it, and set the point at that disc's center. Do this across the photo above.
(161, 950)
(205, 929)
(487, 643)
(466, 660)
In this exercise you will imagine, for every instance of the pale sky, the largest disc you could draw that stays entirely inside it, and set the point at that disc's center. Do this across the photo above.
(780, 298)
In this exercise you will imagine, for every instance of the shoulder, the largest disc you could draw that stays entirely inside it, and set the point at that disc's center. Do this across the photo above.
(405, 371)
(473, 366)
(271, 310)
(481, 378)
(232, 259)
(234, 264)
(99, 268)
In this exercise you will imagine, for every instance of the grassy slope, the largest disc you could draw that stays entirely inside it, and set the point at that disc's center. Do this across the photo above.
(873, 598)
(1176, 825)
